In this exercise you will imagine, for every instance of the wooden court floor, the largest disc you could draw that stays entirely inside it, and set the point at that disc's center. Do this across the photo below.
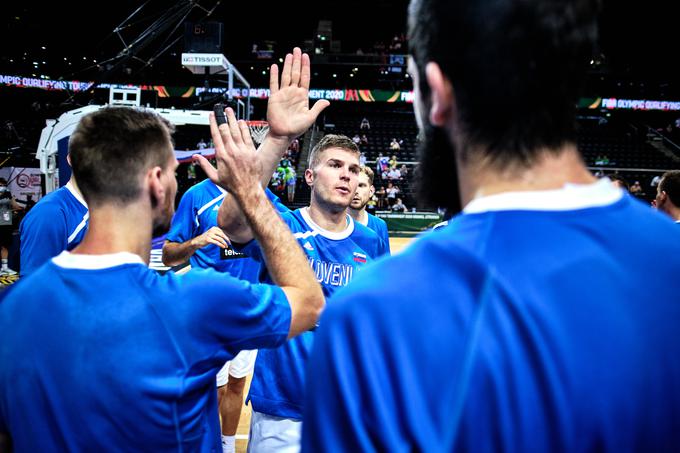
(396, 245)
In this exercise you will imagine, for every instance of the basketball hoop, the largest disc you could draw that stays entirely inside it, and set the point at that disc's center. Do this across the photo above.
(258, 130)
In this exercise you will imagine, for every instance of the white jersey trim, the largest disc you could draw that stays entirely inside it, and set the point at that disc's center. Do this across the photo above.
(325, 233)
(568, 198)
(71, 188)
(209, 204)
(80, 226)
(70, 260)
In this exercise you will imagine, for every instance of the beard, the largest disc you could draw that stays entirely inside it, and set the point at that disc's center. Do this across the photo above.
(161, 225)
(436, 176)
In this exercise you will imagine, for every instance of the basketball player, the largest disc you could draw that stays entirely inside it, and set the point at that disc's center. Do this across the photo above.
(535, 321)
(57, 222)
(194, 234)
(336, 248)
(121, 358)
(668, 195)
(357, 209)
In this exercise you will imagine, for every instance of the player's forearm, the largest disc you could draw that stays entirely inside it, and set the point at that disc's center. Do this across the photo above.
(232, 220)
(176, 253)
(285, 260)
(270, 153)
(230, 217)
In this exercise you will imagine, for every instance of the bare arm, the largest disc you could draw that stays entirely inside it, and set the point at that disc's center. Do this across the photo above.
(239, 171)
(176, 253)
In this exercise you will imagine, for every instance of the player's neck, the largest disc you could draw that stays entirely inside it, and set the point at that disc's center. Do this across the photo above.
(674, 213)
(360, 215)
(328, 218)
(113, 229)
(550, 171)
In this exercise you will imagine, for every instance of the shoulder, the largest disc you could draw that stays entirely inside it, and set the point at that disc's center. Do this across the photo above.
(433, 271)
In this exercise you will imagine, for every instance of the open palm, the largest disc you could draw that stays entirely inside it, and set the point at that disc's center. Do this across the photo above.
(288, 112)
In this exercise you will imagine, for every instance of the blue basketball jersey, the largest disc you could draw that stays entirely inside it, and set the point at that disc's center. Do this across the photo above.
(56, 223)
(196, 214)
(100, 353)
(380, 227)
(544, 321)
(336, 258)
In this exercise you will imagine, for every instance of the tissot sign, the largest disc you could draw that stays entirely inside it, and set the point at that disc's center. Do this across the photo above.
(203, 59)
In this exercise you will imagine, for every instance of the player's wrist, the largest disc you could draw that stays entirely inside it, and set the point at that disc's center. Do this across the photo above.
(280, 140)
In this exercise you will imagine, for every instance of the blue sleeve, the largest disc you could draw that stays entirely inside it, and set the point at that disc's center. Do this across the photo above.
(276, 201)
(235, 313)
(183, 225)
(339, 394)
(43, 235)
(385, 237)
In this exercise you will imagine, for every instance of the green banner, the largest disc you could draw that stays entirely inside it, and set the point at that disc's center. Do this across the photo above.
(409, 221)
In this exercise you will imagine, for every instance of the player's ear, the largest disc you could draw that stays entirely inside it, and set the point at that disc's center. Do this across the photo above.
(441, 92)
(309, 176)
(371, 191)
(155, 186)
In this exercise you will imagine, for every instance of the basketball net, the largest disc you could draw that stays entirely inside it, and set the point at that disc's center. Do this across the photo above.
(258, 130)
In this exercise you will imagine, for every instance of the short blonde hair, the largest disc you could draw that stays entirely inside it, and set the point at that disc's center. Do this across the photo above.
(331, 141)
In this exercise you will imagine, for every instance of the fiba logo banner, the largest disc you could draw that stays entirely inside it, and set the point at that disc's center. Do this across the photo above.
(231, 254)
(23, 182)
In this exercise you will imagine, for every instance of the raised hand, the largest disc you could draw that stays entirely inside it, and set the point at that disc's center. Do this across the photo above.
(237, 165)
(288, 111)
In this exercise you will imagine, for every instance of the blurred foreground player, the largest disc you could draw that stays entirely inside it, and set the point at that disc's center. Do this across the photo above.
(124, 359)
(534, 320)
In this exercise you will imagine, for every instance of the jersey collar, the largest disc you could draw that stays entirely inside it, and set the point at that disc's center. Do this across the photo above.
(71, 188)
(70, 260)
(568, 198)
(325, 233)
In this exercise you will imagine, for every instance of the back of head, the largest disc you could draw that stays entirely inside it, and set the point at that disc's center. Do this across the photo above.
(516, 67)
(331, 141)
(670, 183)
(113, 147)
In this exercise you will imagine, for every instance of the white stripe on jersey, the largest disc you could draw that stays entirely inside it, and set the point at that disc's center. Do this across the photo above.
(207, 205)
(79, 228)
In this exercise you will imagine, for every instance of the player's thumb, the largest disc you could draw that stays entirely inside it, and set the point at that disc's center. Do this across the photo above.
(319, 107)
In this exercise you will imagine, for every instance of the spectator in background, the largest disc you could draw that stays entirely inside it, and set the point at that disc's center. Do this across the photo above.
(636, 189)
(394, 144)
(399, 206)
(382, 163)
(655, 181)
(362, 159)
(668, 195)
(394, 174)
(7, 207)
(391, 191)
(202, 144)
(364, 140)
(365, 124)
(356, 139)
(291, 181)
(380, 195)
(392, 162)
(404, 171)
